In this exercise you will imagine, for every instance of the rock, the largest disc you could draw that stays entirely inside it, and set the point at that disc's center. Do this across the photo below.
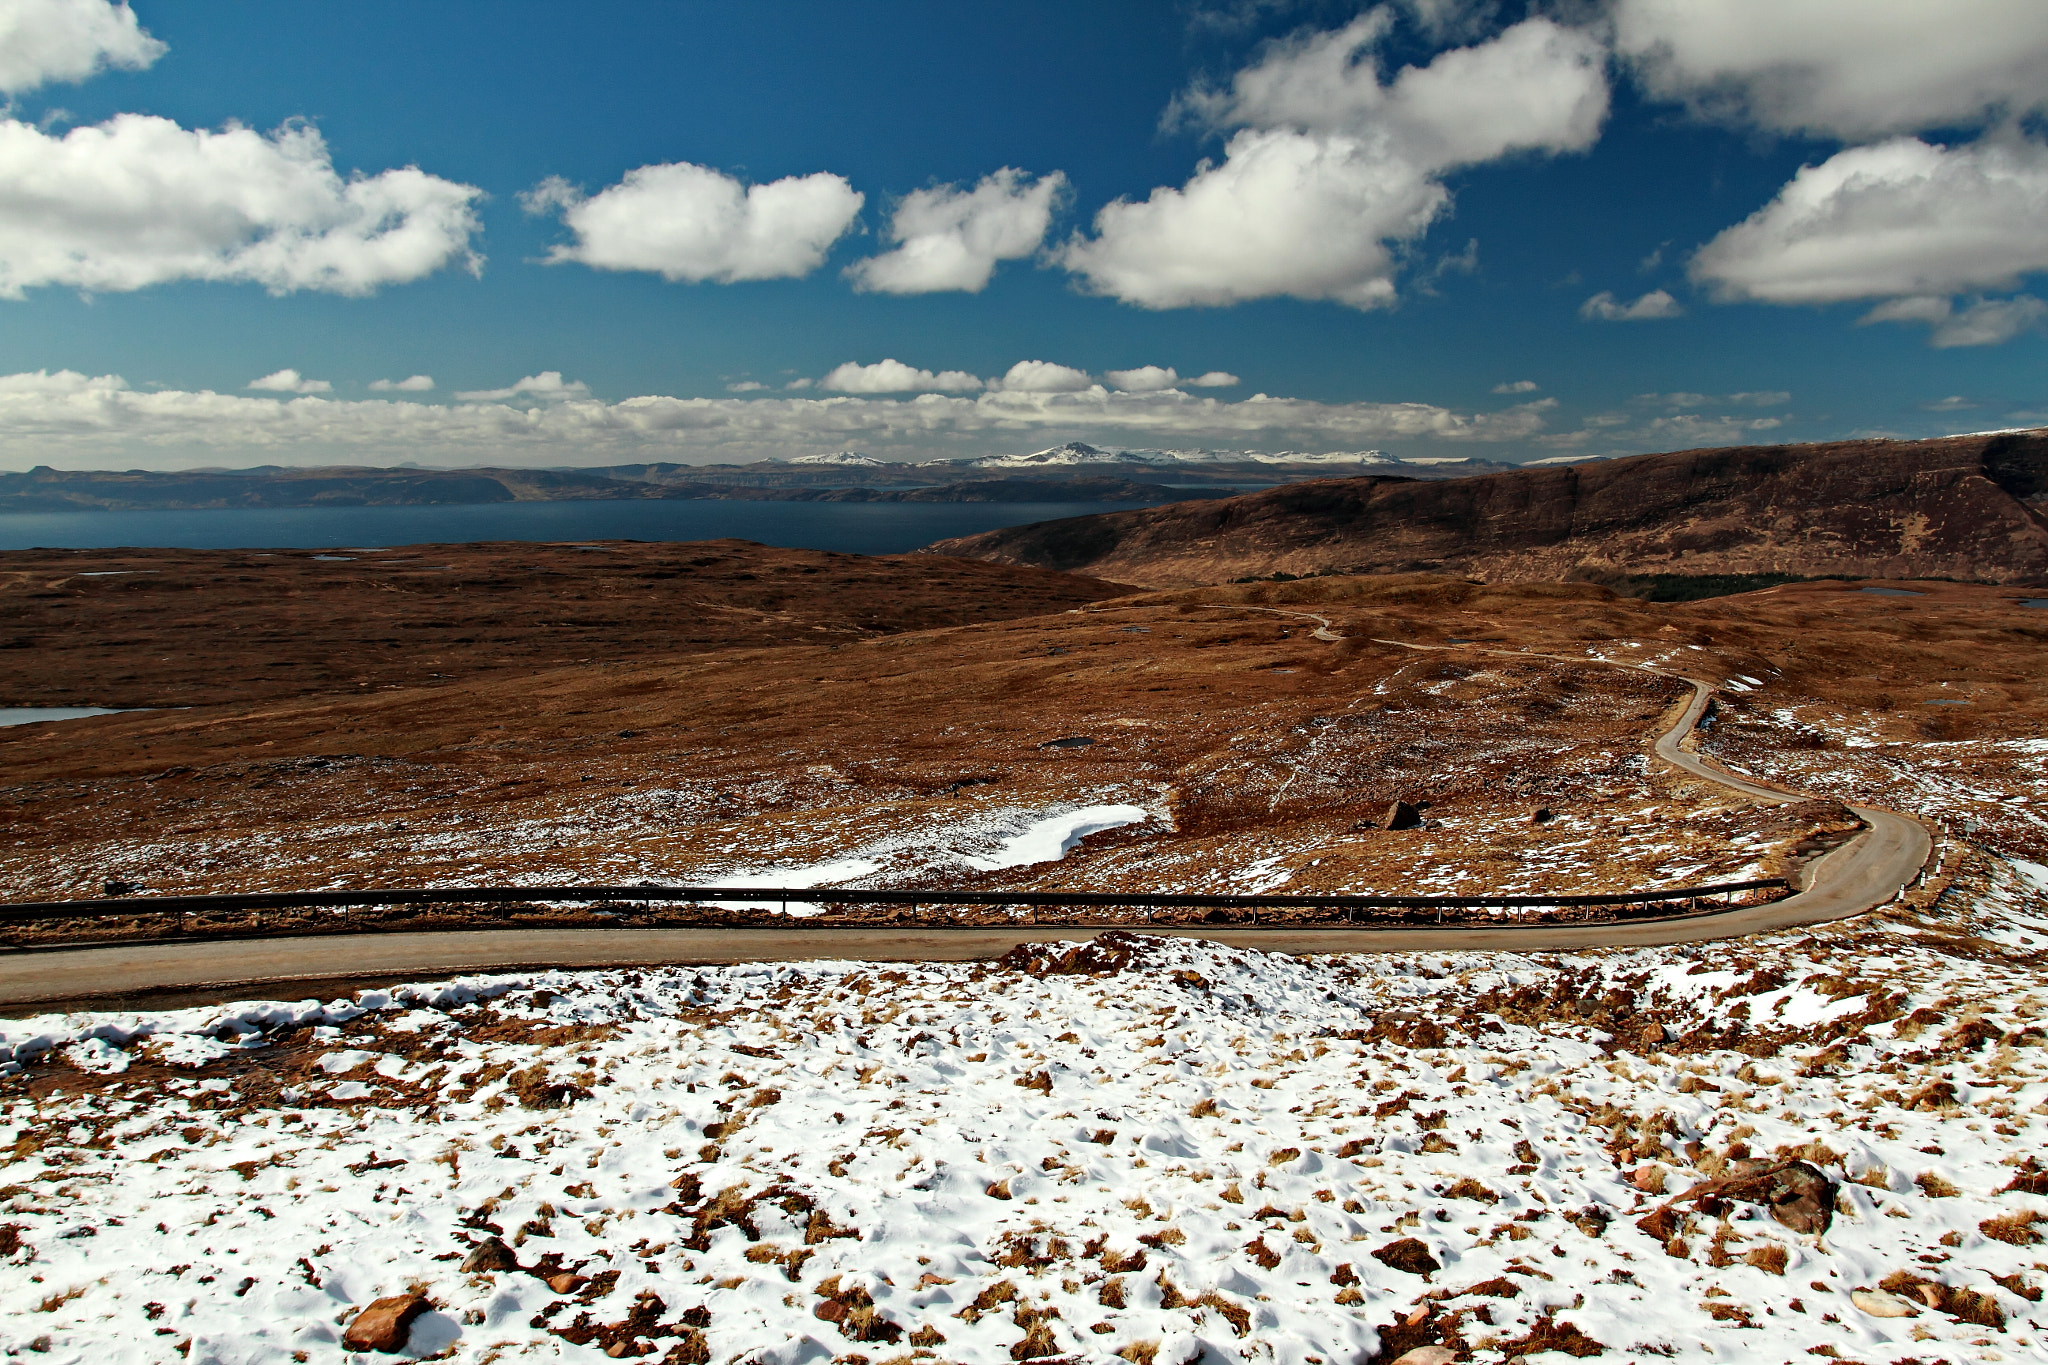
(1797, 1195)
(1426, 1355)
(385, 1324)
(1408, 1254)
(567, 1282)
(1542, 815)
(1401, 815)
(1649, 1179)
(1879, 1304)
(489, 1254)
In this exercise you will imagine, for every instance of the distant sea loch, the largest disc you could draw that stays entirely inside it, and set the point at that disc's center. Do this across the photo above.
(848, 527)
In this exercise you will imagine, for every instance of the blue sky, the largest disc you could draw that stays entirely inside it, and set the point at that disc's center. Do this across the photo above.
(1431, 227)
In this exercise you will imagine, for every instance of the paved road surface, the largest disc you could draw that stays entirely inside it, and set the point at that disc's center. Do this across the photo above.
(1860, 875)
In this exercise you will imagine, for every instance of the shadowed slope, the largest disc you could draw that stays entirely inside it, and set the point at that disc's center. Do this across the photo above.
(1966, 507)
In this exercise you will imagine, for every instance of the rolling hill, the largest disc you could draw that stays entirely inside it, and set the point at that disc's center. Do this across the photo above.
(1963, 507)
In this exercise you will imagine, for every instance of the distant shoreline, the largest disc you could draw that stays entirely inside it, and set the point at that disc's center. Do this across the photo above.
(867, 528)
(1067, 474)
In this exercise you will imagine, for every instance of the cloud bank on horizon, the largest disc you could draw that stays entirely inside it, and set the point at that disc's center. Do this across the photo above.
(1335, 153)
(531, 421)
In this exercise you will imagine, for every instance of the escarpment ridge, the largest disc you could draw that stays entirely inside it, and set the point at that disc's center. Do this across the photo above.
(1963, 507)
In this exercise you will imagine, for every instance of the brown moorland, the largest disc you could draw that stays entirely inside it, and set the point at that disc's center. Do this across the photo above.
(1964, 507)
(181, 627)
(1261, 730)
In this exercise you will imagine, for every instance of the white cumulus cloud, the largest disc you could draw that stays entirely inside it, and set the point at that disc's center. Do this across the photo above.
(1986, 322)
(893, 376)
(1760, 398)
(290, 381)
(68, 40)
(1844, 68)
(692, 223)
(1604, 307)
(1144, 379)
(1537, 86)
(1043, 376)
(1330, 164)
(1152, 378)
(950, 239)
(139, 200)
(1517, 386)
(1901, 217)
(548, 386)
(419, 383)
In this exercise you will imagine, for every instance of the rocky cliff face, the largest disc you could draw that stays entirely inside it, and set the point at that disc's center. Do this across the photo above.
(1965, 507)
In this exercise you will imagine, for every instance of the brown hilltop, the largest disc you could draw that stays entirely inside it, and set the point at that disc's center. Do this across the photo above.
(1963, 507)
(186, 627)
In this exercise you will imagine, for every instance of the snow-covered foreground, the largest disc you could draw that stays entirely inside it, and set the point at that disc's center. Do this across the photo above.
(1159, 1150)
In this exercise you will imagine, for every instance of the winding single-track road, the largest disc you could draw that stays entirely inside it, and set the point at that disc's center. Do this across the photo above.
(1863, 873)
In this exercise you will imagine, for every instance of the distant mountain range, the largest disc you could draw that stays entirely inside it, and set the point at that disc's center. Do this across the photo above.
(1072, 472)
(50, 490)
(1079, 454)
(1963, 507)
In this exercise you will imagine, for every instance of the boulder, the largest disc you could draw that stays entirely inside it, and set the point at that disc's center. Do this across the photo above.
(489, 1254)
(1426, 1355)
(1797, 1195)
(1402, 815)
(385, 1324)
(1880, 1304)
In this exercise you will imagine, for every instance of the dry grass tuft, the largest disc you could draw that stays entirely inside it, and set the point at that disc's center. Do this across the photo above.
(1468, 1188)
(1771, 1259)
(2015, 1229)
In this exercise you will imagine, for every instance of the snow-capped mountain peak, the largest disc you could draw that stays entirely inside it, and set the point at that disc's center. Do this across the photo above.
(1080, 453)
(840, 457)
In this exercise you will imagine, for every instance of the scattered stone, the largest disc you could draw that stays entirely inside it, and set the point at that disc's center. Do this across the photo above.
(1401, 815)
(489, 1254)
(385, 1324)
(1069, 742)
(1105, 954)
(1427, 1355)
(1879, 1304)
(1797, 1195)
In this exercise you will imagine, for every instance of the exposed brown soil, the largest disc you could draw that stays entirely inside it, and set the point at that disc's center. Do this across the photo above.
(1967, 507)
(1265, 753)
(174, 627)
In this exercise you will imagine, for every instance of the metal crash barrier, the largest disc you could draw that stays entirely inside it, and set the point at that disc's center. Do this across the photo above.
(621, 903)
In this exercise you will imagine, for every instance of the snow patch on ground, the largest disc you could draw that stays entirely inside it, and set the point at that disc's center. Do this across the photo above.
(1054, 836)
(1169, 1151)
(987, 843)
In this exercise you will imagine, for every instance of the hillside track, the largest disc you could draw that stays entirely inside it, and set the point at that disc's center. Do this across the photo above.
(1871, 869)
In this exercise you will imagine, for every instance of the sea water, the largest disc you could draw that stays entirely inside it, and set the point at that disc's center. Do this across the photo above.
(848, 527)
